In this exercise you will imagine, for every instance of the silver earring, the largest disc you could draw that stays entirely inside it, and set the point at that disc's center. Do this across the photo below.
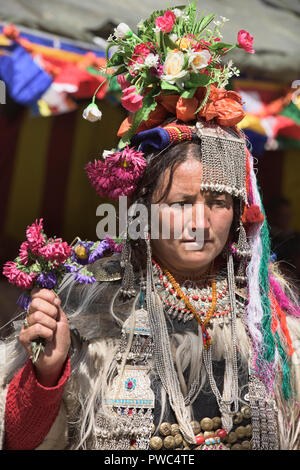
(127, 288)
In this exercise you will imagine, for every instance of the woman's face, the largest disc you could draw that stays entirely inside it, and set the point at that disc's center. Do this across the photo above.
(181, 253)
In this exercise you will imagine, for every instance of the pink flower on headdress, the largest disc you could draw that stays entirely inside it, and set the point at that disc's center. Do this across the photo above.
(166, 22)
(35, 236)
(56, 251)
(17, 277)
(245, 41)
(131, 100)
(123, 82)
(118, 175)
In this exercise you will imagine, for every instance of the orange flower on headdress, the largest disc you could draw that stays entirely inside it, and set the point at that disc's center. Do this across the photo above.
(155, 118)
(225, 106)
(186, 108)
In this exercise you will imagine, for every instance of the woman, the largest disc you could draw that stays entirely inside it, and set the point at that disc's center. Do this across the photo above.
(183, 343)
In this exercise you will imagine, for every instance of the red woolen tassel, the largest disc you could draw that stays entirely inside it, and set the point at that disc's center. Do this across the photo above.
(252, 215)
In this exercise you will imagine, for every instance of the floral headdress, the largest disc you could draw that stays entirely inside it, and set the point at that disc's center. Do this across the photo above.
(171, 68)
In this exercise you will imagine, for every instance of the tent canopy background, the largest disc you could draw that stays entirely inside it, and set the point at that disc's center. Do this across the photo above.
(274, 24)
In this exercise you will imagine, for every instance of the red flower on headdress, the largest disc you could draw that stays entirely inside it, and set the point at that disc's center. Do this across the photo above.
(245, 41)
(166, 22)
(140, 52)
(143, 49)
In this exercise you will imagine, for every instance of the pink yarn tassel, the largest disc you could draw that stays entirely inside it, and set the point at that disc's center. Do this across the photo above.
(283, 300)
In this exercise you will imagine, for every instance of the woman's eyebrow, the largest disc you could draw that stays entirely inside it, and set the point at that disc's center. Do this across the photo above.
(215, 194)
(182, 196)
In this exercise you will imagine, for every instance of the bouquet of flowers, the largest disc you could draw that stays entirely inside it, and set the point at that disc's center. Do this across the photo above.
(43, 262)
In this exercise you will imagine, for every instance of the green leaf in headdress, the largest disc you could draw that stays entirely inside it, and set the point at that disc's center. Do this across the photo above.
(188, 93)
(169, 86)
(197, 80)
(149, 104)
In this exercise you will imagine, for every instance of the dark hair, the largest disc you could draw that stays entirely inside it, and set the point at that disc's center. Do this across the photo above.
(157, 164)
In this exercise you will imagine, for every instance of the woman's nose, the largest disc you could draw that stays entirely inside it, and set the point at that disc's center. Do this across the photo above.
(200, 216)
(199, 222)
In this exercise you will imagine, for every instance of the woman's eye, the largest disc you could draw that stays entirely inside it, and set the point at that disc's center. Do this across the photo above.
(217, 202)
(179, 203)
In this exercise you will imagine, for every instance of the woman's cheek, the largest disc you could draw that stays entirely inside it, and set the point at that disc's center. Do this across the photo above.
(223, 224)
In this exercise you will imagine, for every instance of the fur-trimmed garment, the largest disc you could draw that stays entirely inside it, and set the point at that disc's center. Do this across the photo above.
(95, 334)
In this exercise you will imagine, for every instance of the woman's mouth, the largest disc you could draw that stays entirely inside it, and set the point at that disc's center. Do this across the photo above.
(194, 244)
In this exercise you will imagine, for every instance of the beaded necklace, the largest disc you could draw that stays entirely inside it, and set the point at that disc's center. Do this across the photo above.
(200, 304)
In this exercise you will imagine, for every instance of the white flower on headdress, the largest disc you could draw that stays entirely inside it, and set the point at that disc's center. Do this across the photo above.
(137, 66)
(152, 60)
(173, 66)
(156, 29)
(122, 31)
(224, 20)
(177, 12)
(140, 24)
(92, 113)
(180, 14)
(107, 153)
(173, 37)
(199, 60)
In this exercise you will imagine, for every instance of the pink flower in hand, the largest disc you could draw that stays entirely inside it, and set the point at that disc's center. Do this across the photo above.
(35, 236)
(245, 41)
(17, 277)
(56, 251)
(131, 100)
(23, 253)
(165, 23)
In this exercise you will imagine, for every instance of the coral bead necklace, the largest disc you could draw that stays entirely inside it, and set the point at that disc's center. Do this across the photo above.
(196, 314)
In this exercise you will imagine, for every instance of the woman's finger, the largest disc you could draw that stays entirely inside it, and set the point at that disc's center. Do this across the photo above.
(33, 332)
(41, 318)
(44, 294)
(43, 306)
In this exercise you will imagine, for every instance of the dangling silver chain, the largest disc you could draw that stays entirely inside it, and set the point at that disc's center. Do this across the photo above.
(225, 405)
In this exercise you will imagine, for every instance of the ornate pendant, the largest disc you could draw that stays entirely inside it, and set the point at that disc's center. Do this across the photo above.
(132, 389)
(141, 323)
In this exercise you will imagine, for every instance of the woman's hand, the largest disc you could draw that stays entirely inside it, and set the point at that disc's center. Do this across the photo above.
(47, 320)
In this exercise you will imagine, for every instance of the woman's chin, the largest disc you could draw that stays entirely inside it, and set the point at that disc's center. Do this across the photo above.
(195, 259)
